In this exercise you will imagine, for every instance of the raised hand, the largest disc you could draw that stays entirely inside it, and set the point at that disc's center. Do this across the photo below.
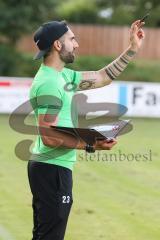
(137, 35)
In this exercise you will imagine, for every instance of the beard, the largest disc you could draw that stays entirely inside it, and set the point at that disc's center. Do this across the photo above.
(65, 56)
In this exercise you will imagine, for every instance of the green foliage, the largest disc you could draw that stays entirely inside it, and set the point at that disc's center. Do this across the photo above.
(78, 11)
(24, 66)
(14, 63)
(153, 7)
(10, 59)
(122, 15)
(137, 70)
(124, 11)
(90, 63)
(19, 17)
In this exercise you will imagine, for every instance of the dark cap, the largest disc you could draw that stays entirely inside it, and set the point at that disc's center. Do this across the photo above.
(47, 34)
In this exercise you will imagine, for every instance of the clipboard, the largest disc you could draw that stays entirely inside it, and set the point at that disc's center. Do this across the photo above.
(97, 132)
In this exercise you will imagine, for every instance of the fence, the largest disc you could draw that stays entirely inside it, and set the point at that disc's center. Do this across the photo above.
(105, 40)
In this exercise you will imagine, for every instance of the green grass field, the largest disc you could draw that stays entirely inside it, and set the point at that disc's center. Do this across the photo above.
(113, 200)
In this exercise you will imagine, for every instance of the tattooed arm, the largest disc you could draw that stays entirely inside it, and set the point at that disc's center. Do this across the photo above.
(96, 79)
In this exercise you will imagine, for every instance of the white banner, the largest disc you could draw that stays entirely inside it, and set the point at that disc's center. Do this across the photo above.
(142, 99)
(13, 92)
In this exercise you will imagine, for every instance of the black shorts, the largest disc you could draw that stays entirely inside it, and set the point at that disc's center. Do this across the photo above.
(51, 187)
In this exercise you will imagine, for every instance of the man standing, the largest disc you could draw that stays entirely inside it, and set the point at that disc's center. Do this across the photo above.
(54, 153)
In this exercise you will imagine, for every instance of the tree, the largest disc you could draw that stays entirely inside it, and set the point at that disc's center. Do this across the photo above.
(126, 11)
(19, 17)
(78, 11)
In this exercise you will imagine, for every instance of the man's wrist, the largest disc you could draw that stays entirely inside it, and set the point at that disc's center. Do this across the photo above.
(90, 148)
(132, 50)
(87, 147)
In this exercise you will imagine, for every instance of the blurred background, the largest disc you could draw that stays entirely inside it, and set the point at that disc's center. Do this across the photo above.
(117, 194)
